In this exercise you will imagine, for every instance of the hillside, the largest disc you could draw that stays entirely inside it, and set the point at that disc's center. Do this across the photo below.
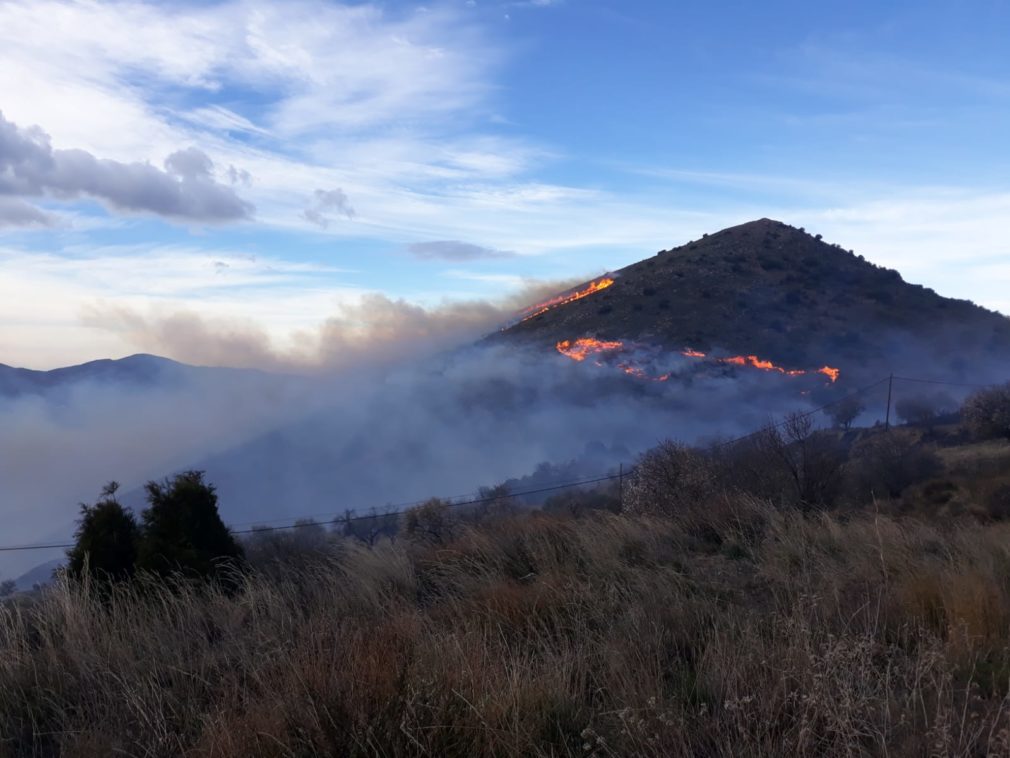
(769, 289)
(137, 370)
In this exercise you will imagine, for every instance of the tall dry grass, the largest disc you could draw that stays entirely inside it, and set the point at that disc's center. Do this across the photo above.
(734, 631)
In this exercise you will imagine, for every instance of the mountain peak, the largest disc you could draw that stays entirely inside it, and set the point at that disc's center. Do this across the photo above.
(766, 288)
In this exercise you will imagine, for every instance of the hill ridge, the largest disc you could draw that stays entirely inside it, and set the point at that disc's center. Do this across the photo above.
(766, 288)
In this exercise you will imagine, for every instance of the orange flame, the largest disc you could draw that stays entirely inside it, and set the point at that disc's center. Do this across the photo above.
(759, 363)
(594, 286)
(583, 348)
(831, 373)
(587, 346)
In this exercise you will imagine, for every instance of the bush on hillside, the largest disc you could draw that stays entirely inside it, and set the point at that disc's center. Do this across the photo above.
(923, 409)
(432, 522)
(182, 529)
(368, 528)
(886, 464)
(106, 540)
(792, 463)
(845, 411)
(306, 542)
(670, 479)
(987, 413)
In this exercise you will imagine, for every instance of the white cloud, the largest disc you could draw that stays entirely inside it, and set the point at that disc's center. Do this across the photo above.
(454, 250)
(186, 189)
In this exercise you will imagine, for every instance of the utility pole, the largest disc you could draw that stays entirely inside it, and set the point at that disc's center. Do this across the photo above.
(890, 387)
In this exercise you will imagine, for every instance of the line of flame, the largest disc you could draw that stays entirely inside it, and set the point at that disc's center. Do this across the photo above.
(582, 348)
(593, 287)
(765, 365)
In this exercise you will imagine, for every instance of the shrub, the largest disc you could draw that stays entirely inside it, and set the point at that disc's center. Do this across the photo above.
(923, 409)
(845, 411)
(369, 528)
(106, 540)
(182, 529)
(887, 463)
(307, 542)
(793, 463)
(987, 413)
(669, 479)
(430, 522)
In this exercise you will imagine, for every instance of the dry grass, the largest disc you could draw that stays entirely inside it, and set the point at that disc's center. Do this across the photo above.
(764, 633)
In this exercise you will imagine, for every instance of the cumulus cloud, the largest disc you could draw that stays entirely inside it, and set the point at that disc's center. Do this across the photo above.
(15, 212)
(374, 330)
(325, 205)
(454, 250)
(186, 189)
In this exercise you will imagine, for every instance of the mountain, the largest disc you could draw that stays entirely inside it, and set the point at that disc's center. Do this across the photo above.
(41, 574)
(768, 289)
(135, 371)
(138, 370)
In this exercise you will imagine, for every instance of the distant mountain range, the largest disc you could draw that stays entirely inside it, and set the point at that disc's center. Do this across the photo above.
(137, 370)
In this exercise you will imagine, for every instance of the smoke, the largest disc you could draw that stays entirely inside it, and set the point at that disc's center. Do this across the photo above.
(59, 445)
(375, 331)
(279, 447)
(417, 416)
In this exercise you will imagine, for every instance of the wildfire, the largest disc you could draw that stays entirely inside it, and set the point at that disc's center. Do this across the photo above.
(759, 363)
(583, 348)
(587, 346)
(593, 287)
(831, 373)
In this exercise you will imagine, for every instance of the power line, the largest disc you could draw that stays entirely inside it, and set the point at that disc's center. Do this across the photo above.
(805, 414)
(34, 547)
(477, 501)
(947, 384)
(346, 519)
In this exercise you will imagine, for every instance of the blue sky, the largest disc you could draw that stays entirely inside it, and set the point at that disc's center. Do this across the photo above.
(256, 183)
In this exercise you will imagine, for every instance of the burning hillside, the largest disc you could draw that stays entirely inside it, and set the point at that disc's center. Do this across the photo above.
(775, 299)
(591, 288)
(586, 347)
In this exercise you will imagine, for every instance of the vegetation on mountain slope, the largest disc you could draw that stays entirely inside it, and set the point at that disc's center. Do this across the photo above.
(772, 290)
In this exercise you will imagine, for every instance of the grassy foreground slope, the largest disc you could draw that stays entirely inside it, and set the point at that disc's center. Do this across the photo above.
(732, 629)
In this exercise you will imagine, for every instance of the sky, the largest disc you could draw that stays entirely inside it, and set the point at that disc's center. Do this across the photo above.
(177, 174)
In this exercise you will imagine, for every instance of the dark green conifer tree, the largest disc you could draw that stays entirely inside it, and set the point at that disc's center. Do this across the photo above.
(106, 540)
(183, 531)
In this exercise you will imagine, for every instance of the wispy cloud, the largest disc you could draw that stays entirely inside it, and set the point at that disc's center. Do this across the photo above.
(325, 205)
(454, 250)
